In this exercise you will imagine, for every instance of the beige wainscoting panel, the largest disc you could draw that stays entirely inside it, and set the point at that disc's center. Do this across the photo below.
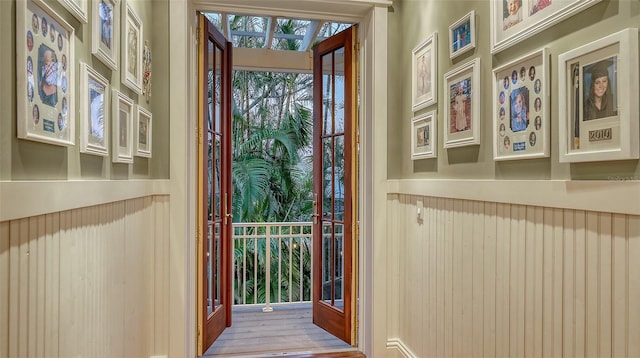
(86, 282)
(496, 279)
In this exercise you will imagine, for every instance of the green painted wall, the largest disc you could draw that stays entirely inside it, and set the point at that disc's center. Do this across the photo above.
(28, 160)
(411, 21)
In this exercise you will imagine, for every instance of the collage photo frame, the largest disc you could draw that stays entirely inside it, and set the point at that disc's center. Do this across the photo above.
(46, 81)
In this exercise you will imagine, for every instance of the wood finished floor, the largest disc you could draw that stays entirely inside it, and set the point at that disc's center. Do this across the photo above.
(285, 332)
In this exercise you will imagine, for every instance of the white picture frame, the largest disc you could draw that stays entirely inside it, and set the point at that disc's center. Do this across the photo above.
(424, 64)
(105, 35)
(462, 35)
(123, 115)
(94, 112)
(143, 132)
(45, 97)
(521, 108)
(77, 8)
(600, 124)
(132, 32)
(462, 108)
(424, 136)
(531, 17)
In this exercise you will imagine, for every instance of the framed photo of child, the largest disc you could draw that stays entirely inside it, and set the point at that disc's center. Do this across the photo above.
(132, 47)
(521, 108)
(515, 20)
(94, 110)
(462, 35)
(143, 131)
(462, 109)
(424, 136)
(105, 34)
(424, 77)
(45, 75)
(598, 115)
(122, 115)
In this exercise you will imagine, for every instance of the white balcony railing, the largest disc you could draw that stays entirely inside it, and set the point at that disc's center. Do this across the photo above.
(272, 263)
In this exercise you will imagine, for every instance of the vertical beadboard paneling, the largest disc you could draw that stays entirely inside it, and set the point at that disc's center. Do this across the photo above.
(538, 281)
(558, 281)
(634, 286)
(52, 284)
(477, 283)
(489, 287)
(569, 284)
(529, 281)
(592, 284)
(161, 264)
(429, 217)
(547, 282)
(503, 262)
(448, 280)
(437, 232)
(580, 283)
(4, 289)
(619, 314)
(457, 250)
(604, 325)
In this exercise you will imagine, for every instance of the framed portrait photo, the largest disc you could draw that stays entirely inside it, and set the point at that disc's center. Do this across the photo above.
(424, 136)
(77, 8)
(105, 34)
(94, 110)
(462, 109)
(598, 96)
(424, 64)
(122, 115)
(143, 133)
(132, 50)
(45, 75)
(515, 20)
(521, 108)
(462, 35)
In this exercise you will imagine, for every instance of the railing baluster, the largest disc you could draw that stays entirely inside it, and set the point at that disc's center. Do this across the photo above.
(268, 308)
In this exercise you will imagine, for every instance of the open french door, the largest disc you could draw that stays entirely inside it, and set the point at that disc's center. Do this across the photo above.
(334, 167)
(214, 184)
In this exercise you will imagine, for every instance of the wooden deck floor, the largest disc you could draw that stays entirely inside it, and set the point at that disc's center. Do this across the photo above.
(286, 332)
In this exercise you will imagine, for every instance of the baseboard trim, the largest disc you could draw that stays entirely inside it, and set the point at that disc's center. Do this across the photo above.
(396, 343)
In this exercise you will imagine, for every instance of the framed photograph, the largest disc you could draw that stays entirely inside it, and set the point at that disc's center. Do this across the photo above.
(462, 112)
(45, 84)
(462, 35)
(105, 36)
(77, 8)
(132, 50)
(424, 136)
(143, 133)
(515, 20)
(521, 108)
(123, 115)
(94, 111)
(424, 74)
(598, 100)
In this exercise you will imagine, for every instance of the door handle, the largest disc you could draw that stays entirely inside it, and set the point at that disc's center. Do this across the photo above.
(226, 211)
(315, 214)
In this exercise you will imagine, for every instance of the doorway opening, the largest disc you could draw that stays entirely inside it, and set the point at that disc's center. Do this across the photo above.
(275, 191)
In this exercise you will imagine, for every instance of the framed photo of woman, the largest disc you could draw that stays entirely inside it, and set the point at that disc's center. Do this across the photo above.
(462, 109)
(598, 114)
(424, 136)
(424, 66)
(462, 35)
(521, 108)
(94, 108)
(105, 34)
(45, 75)
(122, 129)
(132, 50)
(515, 20)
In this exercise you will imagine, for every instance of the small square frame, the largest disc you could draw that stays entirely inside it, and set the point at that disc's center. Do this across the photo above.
(143, 132)
(122, 115)
(424, 64)
(524, 80)
(132, 50)
(45, 106)
(613, 132)
(424, 136)
(462, 35)
(94, 111)
(105, 35)
(77, 8)
(462, 108)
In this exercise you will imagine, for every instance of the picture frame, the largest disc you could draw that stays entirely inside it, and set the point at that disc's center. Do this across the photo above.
(462, 35)
(94, 111)
(132, 50)
(45, 76)
(462, 109)
(77, 8)
(122, 115)
(515, 20)
(105, 35)
(598, 114)
(424, 64)
(143, 132)
(521, 108)
(424, 136)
